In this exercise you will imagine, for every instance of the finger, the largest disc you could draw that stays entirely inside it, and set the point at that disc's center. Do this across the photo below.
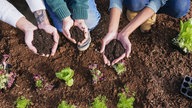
(128, 50)
(68, 36)
(118, 59)
(32, 48)
(106, 61)
(103, 46)
(53, 51)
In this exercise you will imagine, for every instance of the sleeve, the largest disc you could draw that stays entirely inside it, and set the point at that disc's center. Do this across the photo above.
(8, 13)
(59, 7)
(156, 4)
(116, 3)
(79, 9)
(35, 5)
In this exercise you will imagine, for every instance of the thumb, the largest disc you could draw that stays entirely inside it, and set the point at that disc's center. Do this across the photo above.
(103, 47)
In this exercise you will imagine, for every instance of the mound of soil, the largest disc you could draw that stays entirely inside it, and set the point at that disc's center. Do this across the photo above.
(77, 34)
(114, 50)
(43, 41)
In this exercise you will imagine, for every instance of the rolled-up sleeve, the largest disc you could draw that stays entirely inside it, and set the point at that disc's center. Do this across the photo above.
(8, 13)
(156, 4)
(116, 4)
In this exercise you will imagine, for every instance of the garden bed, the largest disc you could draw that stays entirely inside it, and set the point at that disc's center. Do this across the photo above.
(154, 69)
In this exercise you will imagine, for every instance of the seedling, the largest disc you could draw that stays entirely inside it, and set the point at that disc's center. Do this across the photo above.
(64, 104)
(99, 102)
(97, 75)
(66, 74)
(120, 68)
(7, 77)
(124, 101)
(38, 81)
(22, 102)
(184, 39)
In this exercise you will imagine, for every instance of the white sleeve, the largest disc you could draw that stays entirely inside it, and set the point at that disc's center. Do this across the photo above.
(35, 5)
(8, 13)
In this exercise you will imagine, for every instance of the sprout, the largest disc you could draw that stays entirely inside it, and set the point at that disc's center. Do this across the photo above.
(97, 75)
(120, 68)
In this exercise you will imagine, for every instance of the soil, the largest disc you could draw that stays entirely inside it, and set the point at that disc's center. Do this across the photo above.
(77, 34)
(43, 41)
(114, 50)
(155, 70)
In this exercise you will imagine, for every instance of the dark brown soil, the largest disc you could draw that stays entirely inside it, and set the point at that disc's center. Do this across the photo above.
(77, 34)
(155, 70)
(114, 50)
(43, 41)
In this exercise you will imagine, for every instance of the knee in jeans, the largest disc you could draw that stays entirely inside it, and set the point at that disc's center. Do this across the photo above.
(135, 5)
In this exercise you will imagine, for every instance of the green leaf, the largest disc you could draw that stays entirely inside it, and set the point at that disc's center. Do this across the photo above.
(125, 102)
(120, 68)
(69, 82)
(99, 102)
(64, 104)
(22, 102)
(39, 84)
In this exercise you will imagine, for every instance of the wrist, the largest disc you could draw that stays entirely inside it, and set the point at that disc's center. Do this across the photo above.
(24, 25)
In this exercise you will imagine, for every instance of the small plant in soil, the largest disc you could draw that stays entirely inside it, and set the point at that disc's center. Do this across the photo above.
(43, 41)
(124, 101)
(97, 75)
(120, 68)
(77, 34)
(114, 50)
(64, 104)
(184, 39)
(66, 74)
(7, 77)
(40, 83)
(99, 102)
(22, 102)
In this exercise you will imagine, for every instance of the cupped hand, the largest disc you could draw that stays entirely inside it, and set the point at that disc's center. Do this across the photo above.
(53, 31)
(67, 24)
(126, 44)
(80, 23)
(108, 38)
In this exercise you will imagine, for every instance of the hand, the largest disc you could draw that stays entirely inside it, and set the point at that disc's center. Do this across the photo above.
(105, 41)
(80, 23)
(53, 31)
(67, 24)
(126, 44)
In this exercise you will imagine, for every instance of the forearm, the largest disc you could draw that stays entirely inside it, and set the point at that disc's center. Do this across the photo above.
(115, 14)
(41, 17)
(137, 21)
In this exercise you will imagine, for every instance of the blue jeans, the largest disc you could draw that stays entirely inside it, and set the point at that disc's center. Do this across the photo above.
(174, 8)
(92, 21)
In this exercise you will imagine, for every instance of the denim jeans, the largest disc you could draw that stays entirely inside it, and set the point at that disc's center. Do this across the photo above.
(92, 21)
(174, 8)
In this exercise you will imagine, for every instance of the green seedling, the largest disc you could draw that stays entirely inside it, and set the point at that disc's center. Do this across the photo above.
(64, 104)
(184, 39)
(97, 75)
(99, 102)
(22, 102)
(120, 68)
(39, 84)
(66, 74)
(124, 101)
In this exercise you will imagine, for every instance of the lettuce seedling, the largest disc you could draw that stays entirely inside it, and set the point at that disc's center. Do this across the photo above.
(120, 68)
(124, 101)
(99, 102)
(38, 81)
(66, 74)
(22, 102)
(184, 39)
(97, 75)
(64, 104)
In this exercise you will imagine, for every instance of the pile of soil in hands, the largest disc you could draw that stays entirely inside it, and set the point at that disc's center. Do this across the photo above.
(114, 50)
(43, 41)
(77, 34)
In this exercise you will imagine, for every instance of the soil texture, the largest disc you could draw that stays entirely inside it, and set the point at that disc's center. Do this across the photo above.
(43, 41)
(77, 34)
(114, 50)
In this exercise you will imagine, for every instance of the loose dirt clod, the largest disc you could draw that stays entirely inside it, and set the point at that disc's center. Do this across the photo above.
(114, 50)
(43, 41)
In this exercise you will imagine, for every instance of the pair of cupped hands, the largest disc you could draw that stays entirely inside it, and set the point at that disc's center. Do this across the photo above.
(68, 22)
